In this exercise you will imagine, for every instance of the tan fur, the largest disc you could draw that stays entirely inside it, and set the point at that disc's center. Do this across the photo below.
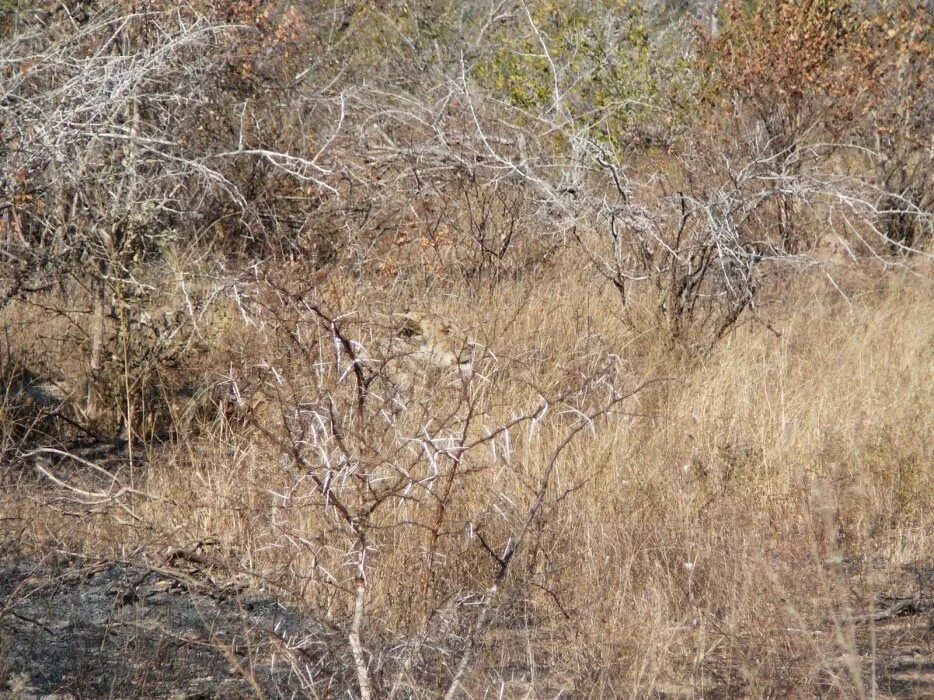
(428, 348)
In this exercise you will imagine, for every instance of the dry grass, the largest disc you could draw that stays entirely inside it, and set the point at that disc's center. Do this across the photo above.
(715, 534)
(692, 454)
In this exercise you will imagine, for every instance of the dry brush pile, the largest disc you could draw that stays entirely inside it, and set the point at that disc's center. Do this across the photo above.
(531, 348)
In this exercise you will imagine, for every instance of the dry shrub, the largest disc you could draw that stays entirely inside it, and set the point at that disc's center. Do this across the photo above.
(685, 456)
(854, 78)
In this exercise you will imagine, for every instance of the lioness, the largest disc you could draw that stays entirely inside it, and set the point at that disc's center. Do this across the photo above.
(427, 347)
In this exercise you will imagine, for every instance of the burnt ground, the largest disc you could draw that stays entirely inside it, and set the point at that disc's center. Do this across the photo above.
(896, 640)
(904, 652)
(112, 629)
(75, 629)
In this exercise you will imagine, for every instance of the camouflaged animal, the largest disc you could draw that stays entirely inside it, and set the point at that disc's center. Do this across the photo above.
(427, 347)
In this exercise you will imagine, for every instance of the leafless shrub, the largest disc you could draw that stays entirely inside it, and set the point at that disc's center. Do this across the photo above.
(219, 238)
(373, 467)
(104, 176)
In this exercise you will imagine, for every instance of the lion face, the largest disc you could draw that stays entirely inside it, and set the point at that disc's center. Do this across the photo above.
(429, 345)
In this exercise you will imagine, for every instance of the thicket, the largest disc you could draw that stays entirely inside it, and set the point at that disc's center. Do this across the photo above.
(191, 197)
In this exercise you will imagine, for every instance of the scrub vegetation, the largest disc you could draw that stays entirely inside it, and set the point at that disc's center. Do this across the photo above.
(533, 348)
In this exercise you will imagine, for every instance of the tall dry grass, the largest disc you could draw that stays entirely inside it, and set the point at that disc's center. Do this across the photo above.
(714, 534)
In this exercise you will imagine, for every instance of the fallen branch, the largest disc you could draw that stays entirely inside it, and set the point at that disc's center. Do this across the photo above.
(902, 606)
